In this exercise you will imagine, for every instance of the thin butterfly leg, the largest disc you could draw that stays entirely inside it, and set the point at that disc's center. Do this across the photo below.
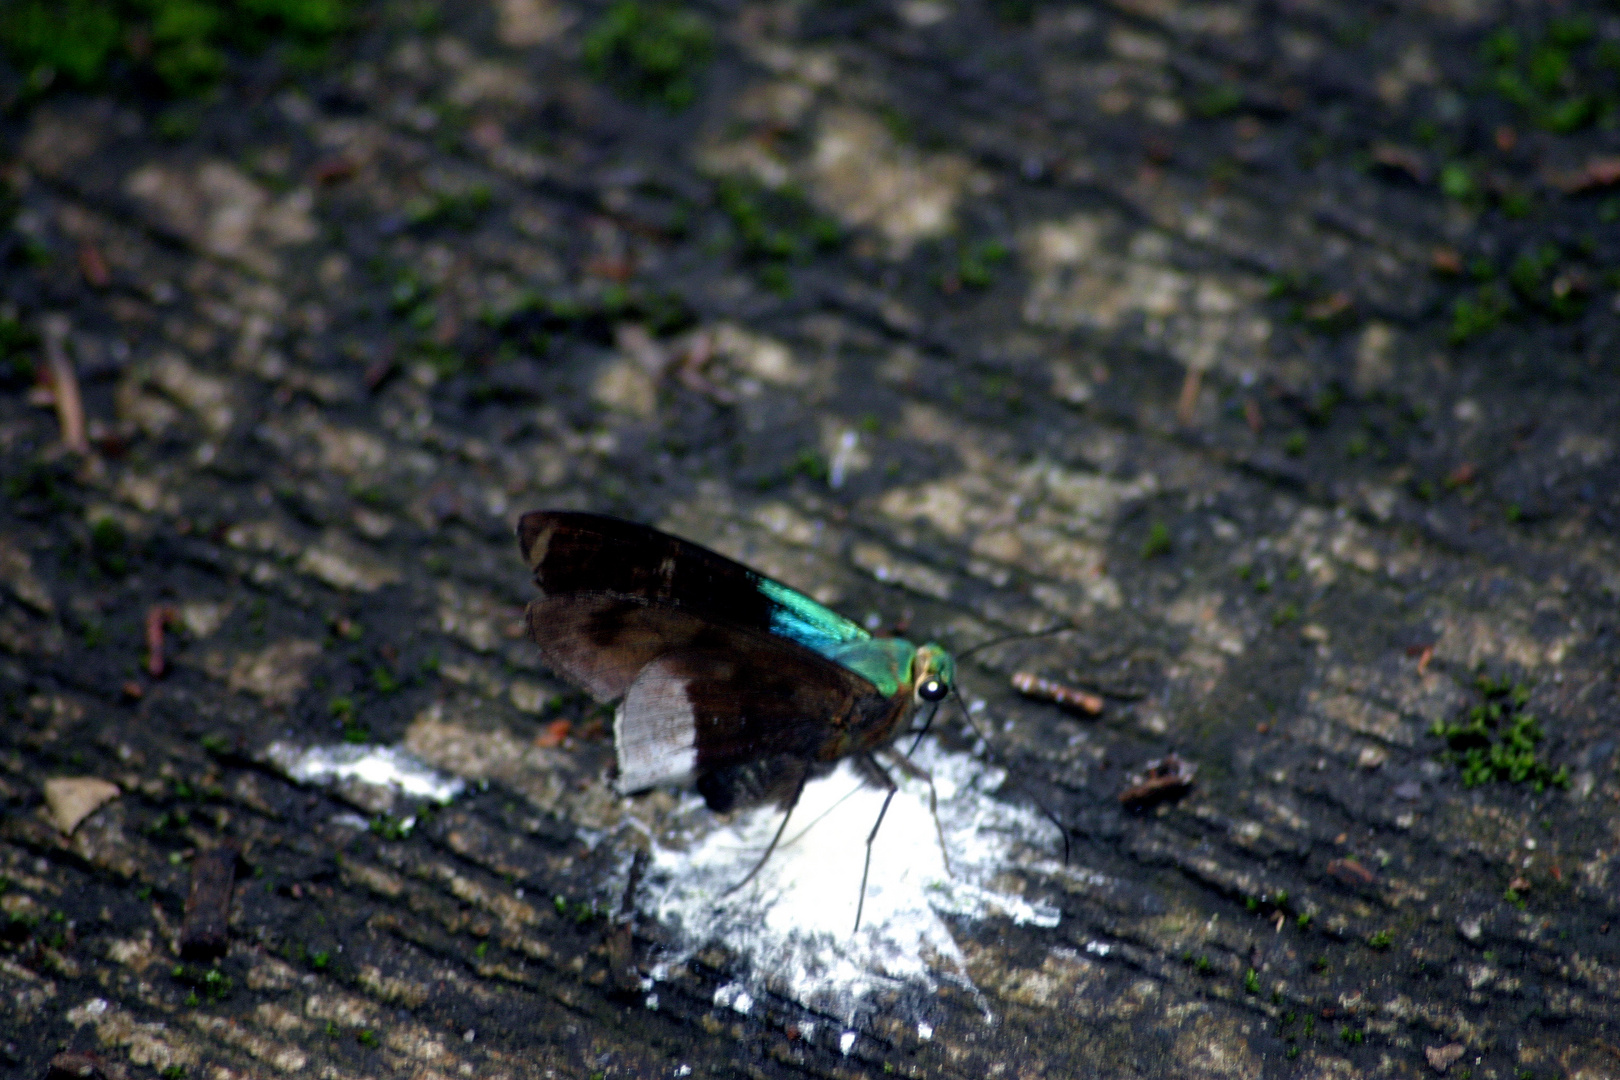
(917, 772)
(879, 773)
(787, 814)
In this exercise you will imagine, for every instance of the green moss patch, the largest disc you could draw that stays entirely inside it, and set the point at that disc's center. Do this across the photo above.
(181, 44)
(774, 229)
(1497, 740)
(1559, 76)
(654, 52)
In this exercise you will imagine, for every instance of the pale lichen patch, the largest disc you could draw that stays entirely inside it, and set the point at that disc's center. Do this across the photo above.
(221, 211)
(1080, 279)
(477, 619)
(276, 674)
(206, 396)
(892, 569)
(859, 173)
(392, 988)
(341, 563)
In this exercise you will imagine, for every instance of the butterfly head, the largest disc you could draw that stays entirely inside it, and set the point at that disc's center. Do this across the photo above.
(933, 673)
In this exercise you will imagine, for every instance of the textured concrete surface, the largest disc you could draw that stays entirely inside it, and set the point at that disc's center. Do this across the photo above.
(1226, 333)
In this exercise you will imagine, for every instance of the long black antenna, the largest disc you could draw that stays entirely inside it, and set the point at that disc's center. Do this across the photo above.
(1003, 639)
(991, 748)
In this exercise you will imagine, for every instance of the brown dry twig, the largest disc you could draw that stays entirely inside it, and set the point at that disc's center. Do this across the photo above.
(1187, 403)
(93, 265)
(64, 384)
(1424, 654)
(158, 616)
(1032, 685)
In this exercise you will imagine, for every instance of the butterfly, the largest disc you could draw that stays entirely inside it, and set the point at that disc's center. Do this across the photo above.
(723, 677)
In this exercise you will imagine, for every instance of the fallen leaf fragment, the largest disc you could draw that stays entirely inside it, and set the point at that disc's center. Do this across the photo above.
(71, 799)
(1401, 159)
(69, 1065)
(93, 266)
(1329, 307)
(158, 616)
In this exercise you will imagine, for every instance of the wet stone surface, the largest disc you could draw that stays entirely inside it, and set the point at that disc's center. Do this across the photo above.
(1269, 347)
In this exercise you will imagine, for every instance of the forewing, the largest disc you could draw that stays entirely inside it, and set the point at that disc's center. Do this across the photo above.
(575, 553)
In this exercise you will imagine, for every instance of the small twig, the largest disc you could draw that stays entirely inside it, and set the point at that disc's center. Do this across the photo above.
(1032, 685)
(158, 616)
(64, 384)
(1187, 405)
(93, 266)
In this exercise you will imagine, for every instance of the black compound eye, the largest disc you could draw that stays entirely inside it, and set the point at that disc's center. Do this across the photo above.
(933, 690)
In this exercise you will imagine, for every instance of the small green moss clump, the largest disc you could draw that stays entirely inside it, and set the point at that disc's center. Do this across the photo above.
(1479, 313)
(976, 263)
(71, 40)
(1560, 77)
(1157, 543)
(1217, 101)
(650, 51)
(774, 229)
(1496, 740)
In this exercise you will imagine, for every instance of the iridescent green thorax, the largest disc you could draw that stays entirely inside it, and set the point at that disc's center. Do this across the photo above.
(887, 663)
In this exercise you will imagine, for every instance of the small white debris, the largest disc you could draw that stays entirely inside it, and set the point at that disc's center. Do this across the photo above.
(846, 1043)
(379, 766)
(925, 1030)
(734, 996)
(87, 1012)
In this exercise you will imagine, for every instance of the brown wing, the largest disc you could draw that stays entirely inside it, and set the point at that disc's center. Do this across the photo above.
(600, 643)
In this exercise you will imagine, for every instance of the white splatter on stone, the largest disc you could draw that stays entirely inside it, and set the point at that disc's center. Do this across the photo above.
(377, 766)
(794, 922)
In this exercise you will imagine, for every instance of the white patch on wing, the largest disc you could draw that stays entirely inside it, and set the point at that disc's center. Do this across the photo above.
(655, 731)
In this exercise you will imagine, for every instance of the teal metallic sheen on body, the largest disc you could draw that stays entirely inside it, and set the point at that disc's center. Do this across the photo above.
(801, 619)
(884, 662)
